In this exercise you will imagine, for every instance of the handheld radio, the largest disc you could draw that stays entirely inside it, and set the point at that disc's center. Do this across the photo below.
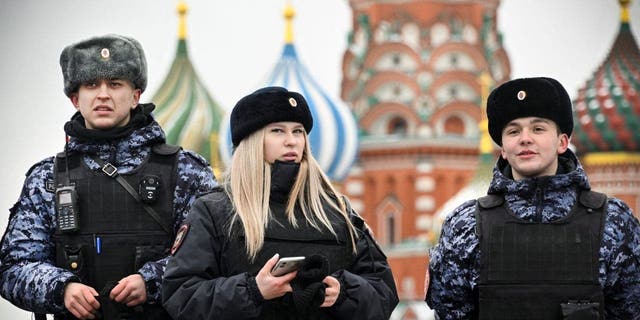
(67, 200)
(67, 206)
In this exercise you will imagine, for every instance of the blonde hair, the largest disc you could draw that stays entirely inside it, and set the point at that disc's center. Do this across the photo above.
(248, 183)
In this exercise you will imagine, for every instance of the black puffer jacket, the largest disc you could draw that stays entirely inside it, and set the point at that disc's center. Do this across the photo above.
(209, 276)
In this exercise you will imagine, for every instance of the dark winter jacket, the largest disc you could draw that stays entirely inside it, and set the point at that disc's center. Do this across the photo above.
(205, 281)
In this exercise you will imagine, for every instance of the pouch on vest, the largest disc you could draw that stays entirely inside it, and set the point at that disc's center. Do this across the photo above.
(575, 310)
(73, 258)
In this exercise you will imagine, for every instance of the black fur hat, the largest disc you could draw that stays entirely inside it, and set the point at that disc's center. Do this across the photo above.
(106, 57)
(268, 105)
(528, 97)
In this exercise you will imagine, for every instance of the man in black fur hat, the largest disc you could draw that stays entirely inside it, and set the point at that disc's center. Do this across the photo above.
(90, 234)
(541, 244)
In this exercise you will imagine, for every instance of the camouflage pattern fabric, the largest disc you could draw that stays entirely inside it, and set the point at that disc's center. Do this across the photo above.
(28, 275)
(454, 262)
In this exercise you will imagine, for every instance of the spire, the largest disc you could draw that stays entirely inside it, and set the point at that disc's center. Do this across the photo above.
(624, 10)
(182, 20)
(289, 14)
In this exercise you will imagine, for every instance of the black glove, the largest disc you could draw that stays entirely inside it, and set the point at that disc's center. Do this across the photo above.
(308, 289)
(109, 309)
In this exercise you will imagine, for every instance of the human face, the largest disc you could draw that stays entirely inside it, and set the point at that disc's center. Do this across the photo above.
(531, 146)
(284, 141)
(106, 103)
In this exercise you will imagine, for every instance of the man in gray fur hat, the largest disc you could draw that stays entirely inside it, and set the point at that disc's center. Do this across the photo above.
(90, 234)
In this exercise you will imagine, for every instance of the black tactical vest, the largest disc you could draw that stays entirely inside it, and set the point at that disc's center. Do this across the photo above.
(532, 270)
(116, 236)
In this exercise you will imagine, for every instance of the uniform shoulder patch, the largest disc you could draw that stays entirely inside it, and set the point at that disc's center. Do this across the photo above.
(50, 185)
(182, 233)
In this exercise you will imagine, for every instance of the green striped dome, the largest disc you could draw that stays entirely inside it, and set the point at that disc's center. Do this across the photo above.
(184, 108)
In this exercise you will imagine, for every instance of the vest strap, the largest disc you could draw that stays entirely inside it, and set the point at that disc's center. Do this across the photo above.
(111, 171)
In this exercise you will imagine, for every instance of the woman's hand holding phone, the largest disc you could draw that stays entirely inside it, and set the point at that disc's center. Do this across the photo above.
(272, 286)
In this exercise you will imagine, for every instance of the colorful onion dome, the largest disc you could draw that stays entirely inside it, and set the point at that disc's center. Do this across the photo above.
(334, 138)
(608, 106)
(184, 108)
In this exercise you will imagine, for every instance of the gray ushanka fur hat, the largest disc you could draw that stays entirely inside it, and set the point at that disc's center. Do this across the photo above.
(106, 57)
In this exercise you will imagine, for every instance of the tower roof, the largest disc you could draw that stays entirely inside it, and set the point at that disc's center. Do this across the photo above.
(185, 110)
(608, 105)
(334, 138)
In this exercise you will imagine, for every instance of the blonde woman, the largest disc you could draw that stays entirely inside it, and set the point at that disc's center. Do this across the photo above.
(275, 202)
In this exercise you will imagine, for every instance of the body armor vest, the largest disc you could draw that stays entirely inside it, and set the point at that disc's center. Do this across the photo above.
(116, 236)
(533, 270)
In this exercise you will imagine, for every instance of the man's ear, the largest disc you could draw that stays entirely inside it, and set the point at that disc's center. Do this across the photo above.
(502, 153)
(74, 101)
(136, 98)
(563, 143)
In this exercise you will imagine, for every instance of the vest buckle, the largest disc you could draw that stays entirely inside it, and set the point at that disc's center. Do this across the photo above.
(110, 170)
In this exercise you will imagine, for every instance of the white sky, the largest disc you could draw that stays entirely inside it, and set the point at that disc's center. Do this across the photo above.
(233, 45)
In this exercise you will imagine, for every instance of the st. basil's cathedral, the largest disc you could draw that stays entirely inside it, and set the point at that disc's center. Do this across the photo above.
(406, 139)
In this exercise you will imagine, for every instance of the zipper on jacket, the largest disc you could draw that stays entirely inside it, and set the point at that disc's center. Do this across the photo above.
(539, 203)
(113, 151)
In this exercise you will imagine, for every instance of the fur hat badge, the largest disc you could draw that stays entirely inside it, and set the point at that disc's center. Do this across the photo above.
(105, 57)
(529, 97)
(265, 106)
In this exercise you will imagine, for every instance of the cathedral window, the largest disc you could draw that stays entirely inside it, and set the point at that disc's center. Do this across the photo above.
(390, 228)
(454, 126)
(397, 126)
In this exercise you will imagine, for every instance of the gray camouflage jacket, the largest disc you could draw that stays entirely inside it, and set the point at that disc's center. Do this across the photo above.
(28, 275)
(454, 262)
